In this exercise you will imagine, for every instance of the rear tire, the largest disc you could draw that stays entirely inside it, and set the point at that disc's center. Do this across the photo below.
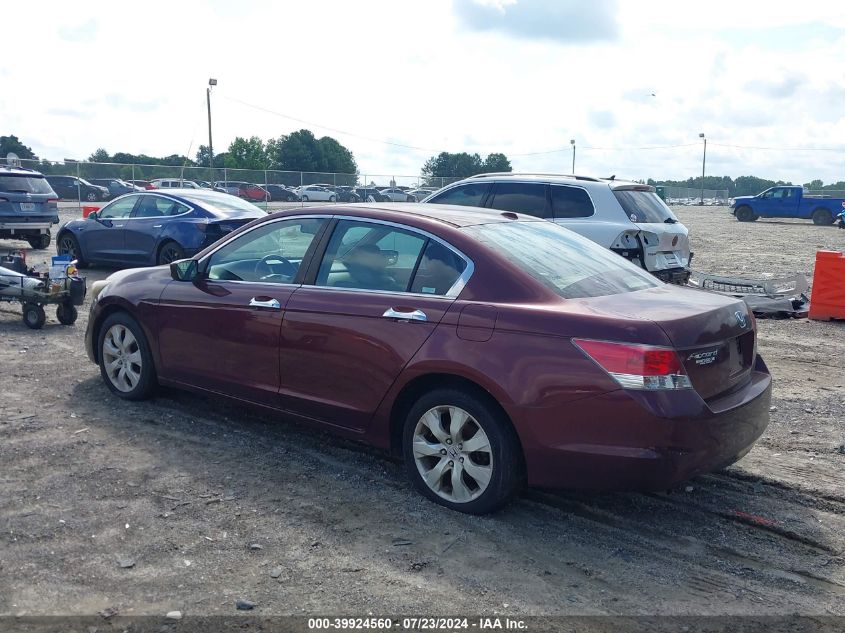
(34, 316)
(462, 452)
(92, 196)
(332, 198)
(40, 242)
(126, 364)
(169, 253)
(822, 217)
(745, 214)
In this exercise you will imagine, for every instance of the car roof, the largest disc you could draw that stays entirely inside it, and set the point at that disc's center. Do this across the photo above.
(19, 171)
(451, 214)
(550, 177)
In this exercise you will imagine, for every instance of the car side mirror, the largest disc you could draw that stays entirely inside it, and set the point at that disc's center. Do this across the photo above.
(93, 216)
(184, 270)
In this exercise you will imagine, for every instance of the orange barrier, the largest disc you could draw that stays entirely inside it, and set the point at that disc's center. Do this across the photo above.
(86, 211)
(828, 297)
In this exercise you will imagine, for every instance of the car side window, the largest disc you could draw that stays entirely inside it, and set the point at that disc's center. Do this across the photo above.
(119, 209)
(438, 271)
(470, 195)
(375, 257)
(521, 197)
(272, 253)
(571, 202)
(156, 207)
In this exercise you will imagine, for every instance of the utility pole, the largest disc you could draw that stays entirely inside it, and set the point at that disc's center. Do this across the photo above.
(572, 141)
(211, 82)
(703, 163)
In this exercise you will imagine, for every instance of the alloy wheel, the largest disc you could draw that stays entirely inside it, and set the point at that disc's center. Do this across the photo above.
(67, 246)
(122, 358)
(452, 454)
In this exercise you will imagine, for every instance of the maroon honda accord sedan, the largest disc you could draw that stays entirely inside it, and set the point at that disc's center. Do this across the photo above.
(489, 349)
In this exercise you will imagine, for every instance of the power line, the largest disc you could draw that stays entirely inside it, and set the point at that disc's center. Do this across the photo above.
(782, 149)
(430, 149)
(535, 153)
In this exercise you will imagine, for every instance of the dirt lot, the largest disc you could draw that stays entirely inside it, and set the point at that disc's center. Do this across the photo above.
(184, 503)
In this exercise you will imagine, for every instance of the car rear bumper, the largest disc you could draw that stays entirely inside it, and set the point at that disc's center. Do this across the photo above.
(40, 225)
(627, 440)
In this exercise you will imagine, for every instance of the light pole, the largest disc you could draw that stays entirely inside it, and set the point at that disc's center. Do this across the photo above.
(572, 142)
(703, 163)
(211, 82)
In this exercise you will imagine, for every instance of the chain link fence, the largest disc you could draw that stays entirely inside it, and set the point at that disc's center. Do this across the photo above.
(142, 175)
(683, 196)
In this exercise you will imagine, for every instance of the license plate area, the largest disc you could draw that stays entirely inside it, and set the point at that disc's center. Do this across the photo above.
(27, 206)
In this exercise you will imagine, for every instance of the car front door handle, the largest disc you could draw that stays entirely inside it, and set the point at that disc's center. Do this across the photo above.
(263, 302)
(407, 315)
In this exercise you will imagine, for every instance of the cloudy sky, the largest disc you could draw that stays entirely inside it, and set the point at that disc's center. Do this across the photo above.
(398, 81)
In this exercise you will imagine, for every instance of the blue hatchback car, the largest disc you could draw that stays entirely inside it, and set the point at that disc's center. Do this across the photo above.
(152, 228)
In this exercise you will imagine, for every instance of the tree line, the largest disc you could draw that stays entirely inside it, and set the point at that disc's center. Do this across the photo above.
(302, 151)
(743, 185)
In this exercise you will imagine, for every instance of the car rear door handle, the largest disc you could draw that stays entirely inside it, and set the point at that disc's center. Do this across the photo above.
(407, 315)
(263, 302)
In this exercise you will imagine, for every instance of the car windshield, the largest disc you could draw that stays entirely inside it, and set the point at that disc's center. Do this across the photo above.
(644, 206)
(24, 184)
(222, 204)
(570, 265)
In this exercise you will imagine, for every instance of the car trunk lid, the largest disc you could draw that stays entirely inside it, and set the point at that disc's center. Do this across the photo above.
(714, 335)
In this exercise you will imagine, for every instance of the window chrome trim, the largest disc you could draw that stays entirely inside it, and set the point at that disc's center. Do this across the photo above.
(452, 293)
(456, 288)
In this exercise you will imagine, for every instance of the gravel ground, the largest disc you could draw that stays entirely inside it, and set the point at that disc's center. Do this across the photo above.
(187, 503)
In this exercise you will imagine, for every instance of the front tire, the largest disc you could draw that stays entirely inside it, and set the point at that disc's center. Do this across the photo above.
(822, 217)
(305, 198)
(92, 196)
(126, 364)
(461, 452)
(67, 313)
(745, 214)
(332, 198)
(69, 245)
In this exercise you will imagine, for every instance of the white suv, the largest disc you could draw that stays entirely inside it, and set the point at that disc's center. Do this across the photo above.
(627, 217)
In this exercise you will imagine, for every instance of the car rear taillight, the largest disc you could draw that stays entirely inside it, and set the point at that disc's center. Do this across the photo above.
(637, 366)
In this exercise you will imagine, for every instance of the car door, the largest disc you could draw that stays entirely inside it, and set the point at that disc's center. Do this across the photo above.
(764, 205)
(530, 198)
(350, 330)
(221, 331)
(102, 239)
(144, 227)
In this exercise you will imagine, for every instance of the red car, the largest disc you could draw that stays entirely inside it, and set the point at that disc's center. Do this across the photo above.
(490, 349)
(252, 192)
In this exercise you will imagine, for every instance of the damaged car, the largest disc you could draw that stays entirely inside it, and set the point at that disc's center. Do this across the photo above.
(629, 218)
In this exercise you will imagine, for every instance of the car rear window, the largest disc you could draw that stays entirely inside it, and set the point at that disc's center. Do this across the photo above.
(222, 204)
(570, 265)
(571, 202)
(24, 184)
(644, 206)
